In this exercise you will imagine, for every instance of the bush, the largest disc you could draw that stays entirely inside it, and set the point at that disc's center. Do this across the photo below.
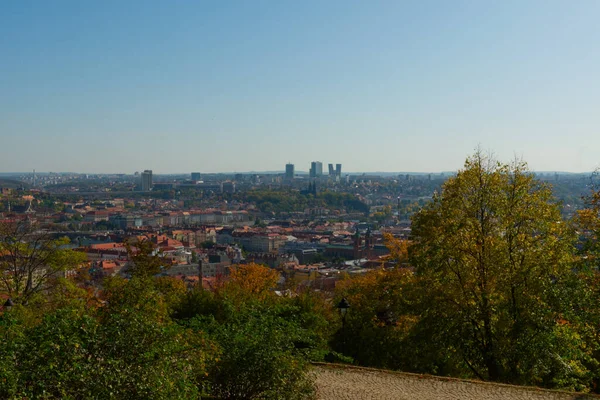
(258, 358)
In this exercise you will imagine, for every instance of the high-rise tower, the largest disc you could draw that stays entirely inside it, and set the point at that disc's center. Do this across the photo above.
(316, 169)
(146, 180)
(289, 171)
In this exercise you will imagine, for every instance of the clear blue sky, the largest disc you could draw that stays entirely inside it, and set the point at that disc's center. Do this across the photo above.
(179, 86)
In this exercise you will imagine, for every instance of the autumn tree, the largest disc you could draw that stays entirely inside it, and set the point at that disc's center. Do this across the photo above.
(494, 260)
(398, 249)
(251, 280)
(32, 260)
(587, 221)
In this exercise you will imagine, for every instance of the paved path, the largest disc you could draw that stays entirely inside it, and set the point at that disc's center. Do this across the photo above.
(335, 383)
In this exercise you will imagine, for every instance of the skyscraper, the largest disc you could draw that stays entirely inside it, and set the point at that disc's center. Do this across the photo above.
(195, 176)
(289, 171)
(338, 170)
(146, 180)
(331, 171)
(316, 169)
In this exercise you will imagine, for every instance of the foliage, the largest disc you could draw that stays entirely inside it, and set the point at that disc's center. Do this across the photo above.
(125, 350)
(145, 259)
(31, 260)
(497, 291)
(290, 201)
(587, 221)
(253, 279)
(377, 328)
(172, 289)
(258, 358)
(398, 248)
(493, 259)
(265, 340)
(315, 315)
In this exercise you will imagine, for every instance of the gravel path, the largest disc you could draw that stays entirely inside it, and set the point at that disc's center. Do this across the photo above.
(335, 383)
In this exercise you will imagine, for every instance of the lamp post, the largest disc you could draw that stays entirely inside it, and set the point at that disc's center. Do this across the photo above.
(343, 306)
(8, 304)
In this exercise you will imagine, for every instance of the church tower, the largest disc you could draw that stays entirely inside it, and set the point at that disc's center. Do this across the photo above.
(357, 244)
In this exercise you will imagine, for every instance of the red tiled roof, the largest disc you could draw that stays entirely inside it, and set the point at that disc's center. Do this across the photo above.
(106, 246)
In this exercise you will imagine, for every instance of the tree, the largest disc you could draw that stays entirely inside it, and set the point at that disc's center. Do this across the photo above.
(265, 340)
(259, 359)
(127, 349)
(377, 328)
(145, 259)
(587, 221)
(31, 260)
(494, 260)
(398, 248)
(172, 289)
(252, 280)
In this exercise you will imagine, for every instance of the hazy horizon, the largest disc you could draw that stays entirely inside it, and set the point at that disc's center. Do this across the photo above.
(158, 173)
(113, 86)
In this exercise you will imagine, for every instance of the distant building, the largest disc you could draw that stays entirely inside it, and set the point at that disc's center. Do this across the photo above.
(338, 170)
(228, 187)
(289, 171)
(146, 180)
(195, 176)
(331, 171)
(316, 169)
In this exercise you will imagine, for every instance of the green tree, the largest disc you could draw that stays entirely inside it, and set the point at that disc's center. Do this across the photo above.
(127, 349)
(378, 326)
(258, 358)
(494, 259)
(265, 341)
(145, 259)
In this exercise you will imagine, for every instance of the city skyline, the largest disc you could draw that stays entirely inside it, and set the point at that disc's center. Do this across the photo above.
(266, 172)
(122, 86)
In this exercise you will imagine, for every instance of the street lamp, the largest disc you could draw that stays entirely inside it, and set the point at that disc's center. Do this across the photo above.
(343, 306)
(8, 305)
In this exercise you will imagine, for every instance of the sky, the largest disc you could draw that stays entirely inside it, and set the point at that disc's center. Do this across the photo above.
(180, 86)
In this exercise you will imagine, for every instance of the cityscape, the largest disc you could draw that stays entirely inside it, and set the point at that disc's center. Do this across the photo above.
(312, 225)
(280, 239)
(316, 200)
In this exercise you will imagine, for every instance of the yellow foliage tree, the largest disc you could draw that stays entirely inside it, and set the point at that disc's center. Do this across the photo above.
(493, 256)
(251, 280)
(398, 248)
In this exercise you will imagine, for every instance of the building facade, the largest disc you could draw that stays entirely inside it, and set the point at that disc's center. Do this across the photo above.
(146, 180)
(316, 169)
(289, 171)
